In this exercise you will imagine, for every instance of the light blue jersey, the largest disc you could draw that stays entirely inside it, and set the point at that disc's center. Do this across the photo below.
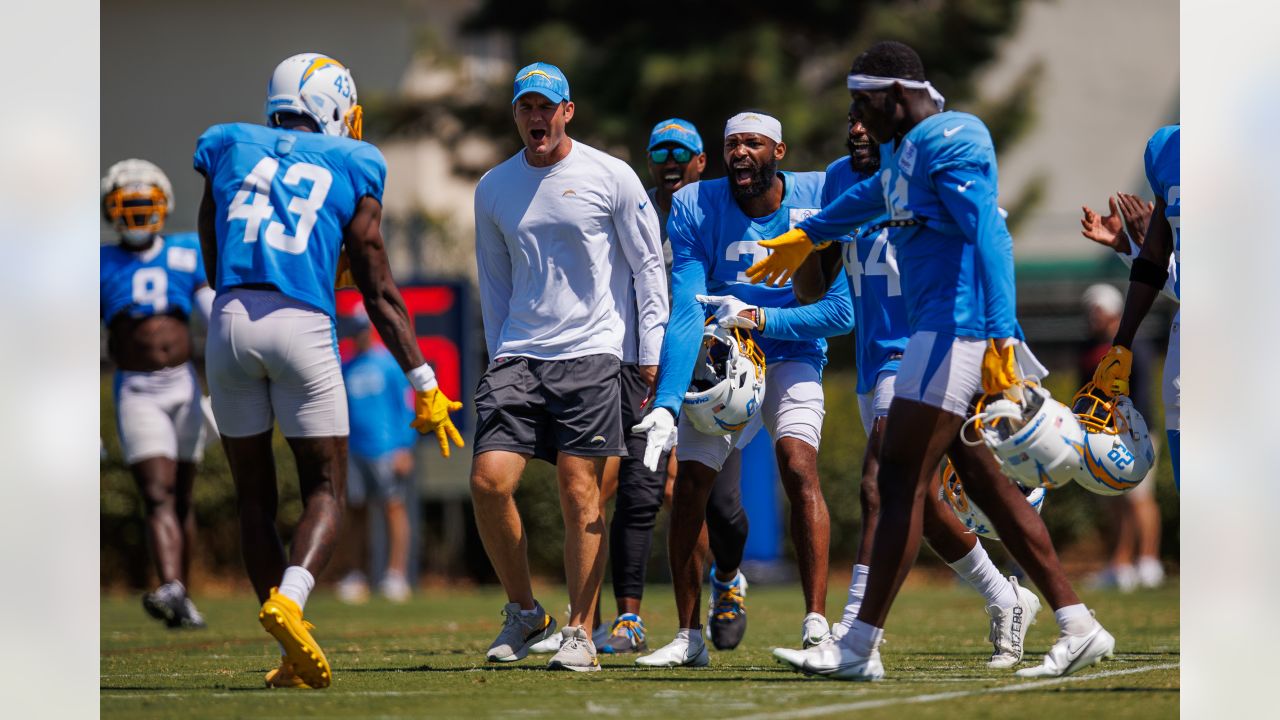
(157, 281)
(712, 244)
(284, 198)
(955, 254)
(1163, 163)
(378, 403)
(880, 315)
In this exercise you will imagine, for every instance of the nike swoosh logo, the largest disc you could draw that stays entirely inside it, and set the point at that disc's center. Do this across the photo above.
(951, 131)
(964, 186)
(643, 204)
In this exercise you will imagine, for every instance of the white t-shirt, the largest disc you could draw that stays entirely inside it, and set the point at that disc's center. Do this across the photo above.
(559, 252)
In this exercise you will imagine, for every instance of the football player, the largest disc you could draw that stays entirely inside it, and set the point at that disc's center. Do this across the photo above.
(1150, 274)
(150, 285)
(938, 182)
(715, 228)
(880, 332)
(280, 202)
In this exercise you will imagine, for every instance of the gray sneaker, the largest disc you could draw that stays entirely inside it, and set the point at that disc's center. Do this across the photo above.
(577, 652)
(167, 603)
(519, 632)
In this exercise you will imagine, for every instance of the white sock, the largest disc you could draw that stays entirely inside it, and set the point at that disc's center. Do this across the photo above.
(297, 584)
(863, 638)
(857, 589)
(1074, 619)
(693, 637)
(982, 575)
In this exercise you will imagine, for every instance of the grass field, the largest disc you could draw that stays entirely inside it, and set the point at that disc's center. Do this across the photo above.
(425, 659)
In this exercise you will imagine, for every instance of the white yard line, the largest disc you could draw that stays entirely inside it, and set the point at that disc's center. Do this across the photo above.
(935, 697)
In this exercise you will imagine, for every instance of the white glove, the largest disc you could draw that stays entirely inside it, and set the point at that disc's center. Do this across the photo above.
(660, 429)
(727, 309)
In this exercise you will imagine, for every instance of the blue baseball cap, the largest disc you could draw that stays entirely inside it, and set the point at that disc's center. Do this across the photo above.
(544, 79)
(681, 132)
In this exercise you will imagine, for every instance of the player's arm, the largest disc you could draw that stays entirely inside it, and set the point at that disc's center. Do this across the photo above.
(637, 225)
(817, 274)
(389, 314)
(1148, 275)
(862, 202)
(493, 268)
(206, 226)
(830, 316)
(684, 329)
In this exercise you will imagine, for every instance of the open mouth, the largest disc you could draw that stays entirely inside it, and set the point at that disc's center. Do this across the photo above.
(538, 135)
(743, 174)
(672, 179)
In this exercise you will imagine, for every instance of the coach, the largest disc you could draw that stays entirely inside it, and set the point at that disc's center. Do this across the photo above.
(551, 224)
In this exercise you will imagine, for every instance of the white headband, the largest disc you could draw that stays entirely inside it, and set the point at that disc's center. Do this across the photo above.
(759, 123)
(875, 82)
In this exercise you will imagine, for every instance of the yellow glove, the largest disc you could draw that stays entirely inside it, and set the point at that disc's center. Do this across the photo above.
(344, 279)
(999, 373)
(789, 252)
(1112, 375)
(432, 409)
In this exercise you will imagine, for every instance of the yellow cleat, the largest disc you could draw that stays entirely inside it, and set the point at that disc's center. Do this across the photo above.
(282, 617)
(283, 677)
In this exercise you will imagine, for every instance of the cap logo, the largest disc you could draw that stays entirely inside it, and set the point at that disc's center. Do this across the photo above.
(673, 126)
(534, 72)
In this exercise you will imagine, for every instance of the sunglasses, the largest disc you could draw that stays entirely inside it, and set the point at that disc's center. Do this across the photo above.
(681, 155)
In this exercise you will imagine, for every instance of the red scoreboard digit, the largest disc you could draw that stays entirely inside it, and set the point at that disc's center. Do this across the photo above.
(436, 313)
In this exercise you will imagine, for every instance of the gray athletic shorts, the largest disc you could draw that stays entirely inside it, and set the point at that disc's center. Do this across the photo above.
(373, 477)
(544, 407)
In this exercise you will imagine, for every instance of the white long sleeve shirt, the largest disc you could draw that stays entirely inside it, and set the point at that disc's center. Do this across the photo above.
(570, 260)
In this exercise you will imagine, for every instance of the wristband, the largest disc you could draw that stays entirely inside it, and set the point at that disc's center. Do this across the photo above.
(1148, 273)
(422, 378)
(760, 319)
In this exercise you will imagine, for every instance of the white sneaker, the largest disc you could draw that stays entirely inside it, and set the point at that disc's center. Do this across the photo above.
(795, 658)
(1009, 627)
(687, 650)
(576, 652)
(395, 588)
(548, 646)
(837, 661)
(1150, 573)
(1073, 652)
(353, 589)
(519, 633)
(814, 630)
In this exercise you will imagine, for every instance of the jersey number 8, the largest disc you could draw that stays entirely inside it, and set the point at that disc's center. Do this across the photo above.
(253, 204)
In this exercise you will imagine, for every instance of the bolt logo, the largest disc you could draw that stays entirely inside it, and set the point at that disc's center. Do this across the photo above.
(531, 73)
(673, 126)
(315, 65)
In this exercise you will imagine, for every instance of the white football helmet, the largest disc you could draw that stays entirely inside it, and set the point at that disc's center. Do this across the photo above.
(1117, 448)
(136, 199)
(728, 382)
(318, 87)
(1037, 442)
(952, 491)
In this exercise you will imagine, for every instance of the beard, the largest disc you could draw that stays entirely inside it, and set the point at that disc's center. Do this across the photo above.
(867, 163)
(761, 181)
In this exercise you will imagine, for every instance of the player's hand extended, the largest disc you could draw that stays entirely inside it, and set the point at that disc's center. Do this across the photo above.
(1136, 213)
(659, 427)
(730, 311)
(432, 408)
(1106, 230)
(1112, 374)
(999, 371)
(344, 278)
(789, 252)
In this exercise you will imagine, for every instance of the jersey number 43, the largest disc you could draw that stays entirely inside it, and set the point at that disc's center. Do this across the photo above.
(253, 204)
